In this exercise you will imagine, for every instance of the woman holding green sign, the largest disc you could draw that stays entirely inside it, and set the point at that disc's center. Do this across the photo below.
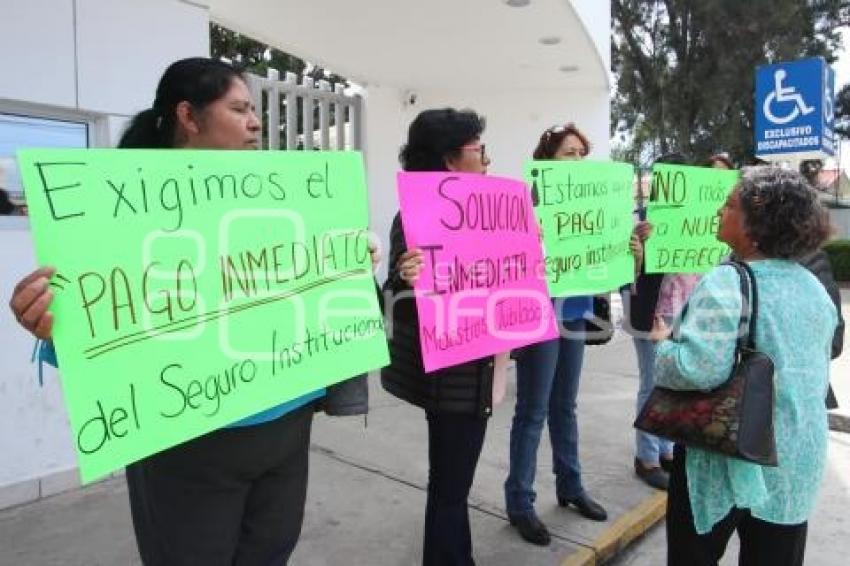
(547, 386)
(235, 495)
(651, 295)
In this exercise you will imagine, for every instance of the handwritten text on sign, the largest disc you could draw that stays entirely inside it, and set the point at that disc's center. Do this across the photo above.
(585, 211)
(479, 293)
(682, 208)
(196, 288)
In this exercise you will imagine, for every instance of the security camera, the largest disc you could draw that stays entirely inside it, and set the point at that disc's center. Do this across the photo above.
(410, 98)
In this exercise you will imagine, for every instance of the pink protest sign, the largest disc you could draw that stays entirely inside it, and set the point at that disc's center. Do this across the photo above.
(482, 290)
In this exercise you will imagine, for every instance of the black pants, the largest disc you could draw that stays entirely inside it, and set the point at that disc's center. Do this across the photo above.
(232, 497)
(762, 543)
(454, 445)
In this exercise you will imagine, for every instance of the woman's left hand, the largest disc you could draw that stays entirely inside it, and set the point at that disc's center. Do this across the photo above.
(643, 229)
(660, 331)
(636, 246)
(640, 233)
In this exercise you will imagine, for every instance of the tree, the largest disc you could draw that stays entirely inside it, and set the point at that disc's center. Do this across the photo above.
(685, 68)
(257, 58)
(842, 112)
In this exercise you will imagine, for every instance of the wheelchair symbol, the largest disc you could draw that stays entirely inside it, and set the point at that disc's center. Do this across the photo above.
(782, 94)
(828, 110)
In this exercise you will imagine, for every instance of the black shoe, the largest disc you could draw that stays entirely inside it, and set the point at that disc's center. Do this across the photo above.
(586, 506)
(666, 464)
(655, 476)
(531, 529)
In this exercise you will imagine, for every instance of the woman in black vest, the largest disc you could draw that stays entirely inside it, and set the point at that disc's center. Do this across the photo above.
(457, 400)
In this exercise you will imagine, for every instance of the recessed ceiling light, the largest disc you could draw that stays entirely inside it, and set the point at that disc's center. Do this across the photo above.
(517, 3)
(568, 68)
(550, 40)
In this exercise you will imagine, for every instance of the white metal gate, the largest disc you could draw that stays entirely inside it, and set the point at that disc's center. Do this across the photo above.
(306, 116)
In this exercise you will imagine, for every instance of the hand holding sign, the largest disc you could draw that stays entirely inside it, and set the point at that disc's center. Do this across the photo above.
(410, 265)
(640, 233)
(30, 300)
(643, 230)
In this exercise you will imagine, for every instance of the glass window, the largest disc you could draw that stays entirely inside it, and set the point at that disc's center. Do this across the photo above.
(18, 132)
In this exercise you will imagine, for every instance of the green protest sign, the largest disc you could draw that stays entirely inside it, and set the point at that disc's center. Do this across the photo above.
(682, 208)
(196, 288)
(585, 211)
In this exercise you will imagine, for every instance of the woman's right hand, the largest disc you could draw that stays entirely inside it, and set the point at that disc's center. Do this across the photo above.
(409, 266)
(640, 233)
(30, 301)
(636, 247)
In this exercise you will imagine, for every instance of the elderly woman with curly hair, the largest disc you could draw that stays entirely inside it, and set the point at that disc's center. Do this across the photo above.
(771, 218)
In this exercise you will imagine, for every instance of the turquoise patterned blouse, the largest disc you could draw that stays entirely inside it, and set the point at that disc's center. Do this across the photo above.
(796, 321)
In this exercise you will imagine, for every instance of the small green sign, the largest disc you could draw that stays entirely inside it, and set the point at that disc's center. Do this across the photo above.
(585, 211)
(683, 210)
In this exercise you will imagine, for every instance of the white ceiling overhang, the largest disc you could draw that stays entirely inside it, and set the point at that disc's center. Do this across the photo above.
(428, 44)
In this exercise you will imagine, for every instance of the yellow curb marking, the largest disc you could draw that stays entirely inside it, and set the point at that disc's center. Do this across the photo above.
(619, 535)
(583, 557)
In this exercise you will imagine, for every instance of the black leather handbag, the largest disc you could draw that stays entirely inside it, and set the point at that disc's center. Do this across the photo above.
(736, 418)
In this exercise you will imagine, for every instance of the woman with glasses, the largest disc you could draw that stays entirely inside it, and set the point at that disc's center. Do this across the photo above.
(457, 400)
(547, 385)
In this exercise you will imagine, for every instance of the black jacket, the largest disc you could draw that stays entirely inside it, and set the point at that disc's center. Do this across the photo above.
(466, 388)
(641, 297)
(350, 397)
(818, 264)
(640, 300)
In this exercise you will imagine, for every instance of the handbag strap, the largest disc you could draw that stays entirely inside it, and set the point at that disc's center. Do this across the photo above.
(749, 307)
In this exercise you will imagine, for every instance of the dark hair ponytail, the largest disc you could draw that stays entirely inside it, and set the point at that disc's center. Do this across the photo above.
(199, 81)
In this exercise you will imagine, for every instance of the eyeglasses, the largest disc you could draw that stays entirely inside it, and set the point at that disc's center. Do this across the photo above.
(479, 147)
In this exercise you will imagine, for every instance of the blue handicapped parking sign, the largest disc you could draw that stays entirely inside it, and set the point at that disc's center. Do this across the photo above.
(794, 109)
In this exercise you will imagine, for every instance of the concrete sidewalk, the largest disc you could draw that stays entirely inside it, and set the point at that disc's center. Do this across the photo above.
(367, 490)
(366, 497)
(827, 542)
